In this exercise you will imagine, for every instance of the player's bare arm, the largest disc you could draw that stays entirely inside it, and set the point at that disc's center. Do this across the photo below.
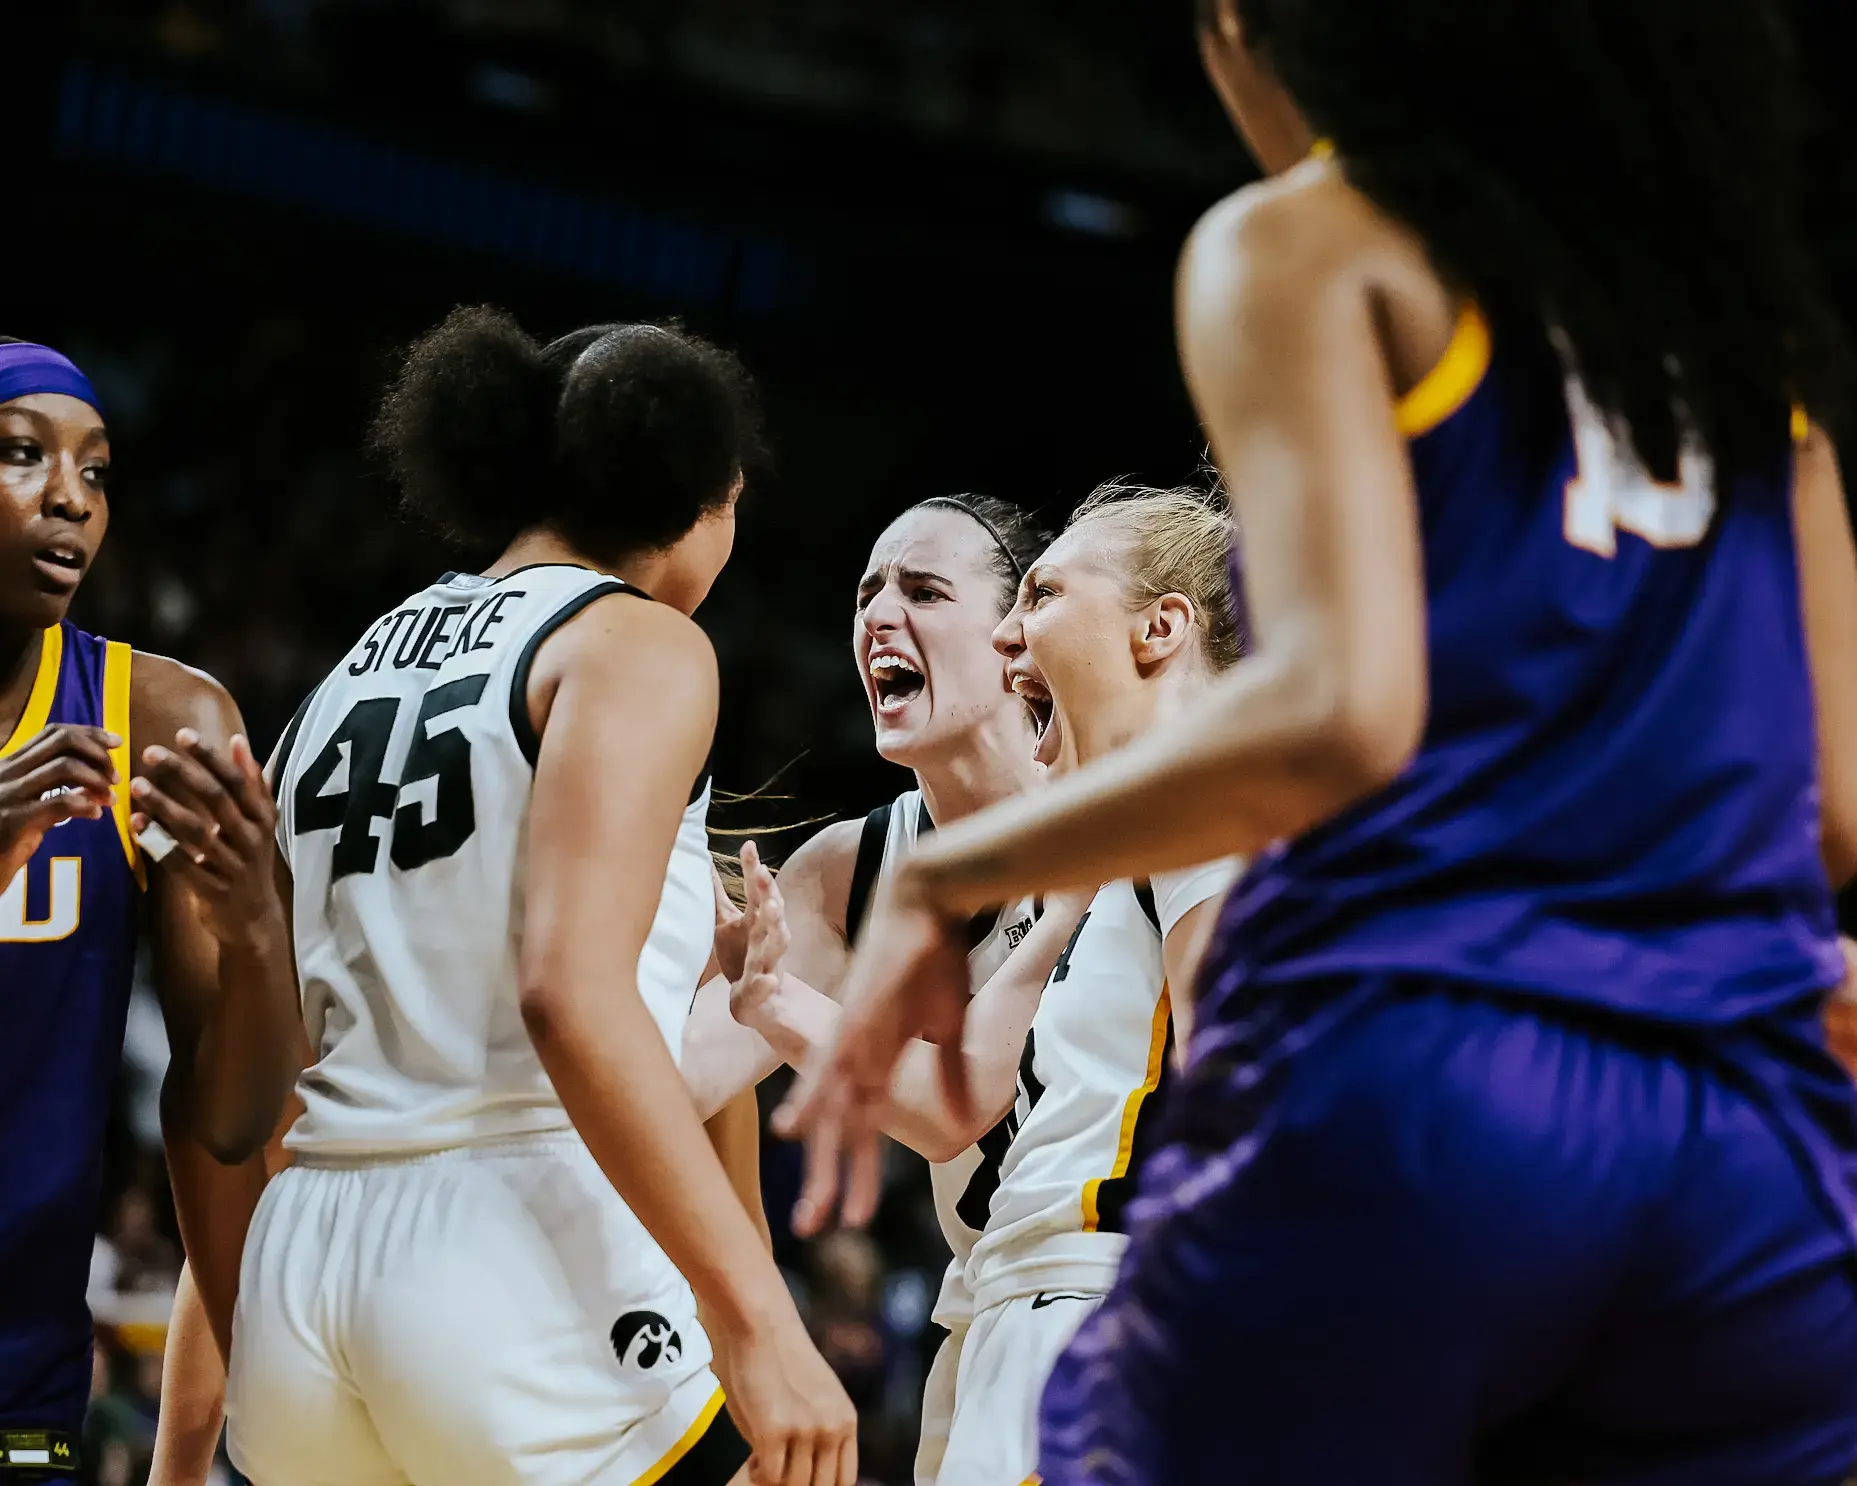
(224, 968)
(1282, 300)
(193, 1374)
(1301, 316)
(798, 1020)
(1828, 584)
(638, 681)
(724, 1056)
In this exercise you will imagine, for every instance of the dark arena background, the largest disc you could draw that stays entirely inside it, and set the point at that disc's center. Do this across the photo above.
(940, 232)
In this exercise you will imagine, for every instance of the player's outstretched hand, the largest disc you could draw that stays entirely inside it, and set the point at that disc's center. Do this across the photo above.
(792, 1408)
(731, 930)
(218, 809)
(908, 979)
(63, 773)
(768, 938)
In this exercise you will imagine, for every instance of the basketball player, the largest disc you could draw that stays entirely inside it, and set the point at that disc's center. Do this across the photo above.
(1509, 1148)
(1124, 620)
(939, 579)
(74, 710)
(492, 816)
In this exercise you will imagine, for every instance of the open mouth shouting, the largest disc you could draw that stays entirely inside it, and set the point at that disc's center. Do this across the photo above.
(1037, 698)
(896, 680)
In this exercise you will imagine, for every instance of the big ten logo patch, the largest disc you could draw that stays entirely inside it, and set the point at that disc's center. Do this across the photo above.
(1015, 933)
(42, 903)
(643, 1339)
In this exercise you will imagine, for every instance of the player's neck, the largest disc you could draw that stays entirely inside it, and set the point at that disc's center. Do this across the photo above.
(20, 649)
(995, 765)
(642, 571)
(1117, 721)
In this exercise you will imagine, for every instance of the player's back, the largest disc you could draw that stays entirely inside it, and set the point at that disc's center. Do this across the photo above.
(1614, 800)
(403, 799)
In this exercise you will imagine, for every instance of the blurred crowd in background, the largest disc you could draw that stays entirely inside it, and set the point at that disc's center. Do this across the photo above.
(941, 232)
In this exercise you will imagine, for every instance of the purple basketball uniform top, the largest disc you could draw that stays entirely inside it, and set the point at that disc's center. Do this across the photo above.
(68, 929)
(1615, 799)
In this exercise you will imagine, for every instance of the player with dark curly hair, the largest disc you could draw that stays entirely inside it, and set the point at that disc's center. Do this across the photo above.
(480, 1265)
(1509, 1147)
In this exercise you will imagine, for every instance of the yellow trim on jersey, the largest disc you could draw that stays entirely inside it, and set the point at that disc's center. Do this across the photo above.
(685, 1445)
(1802, 425)
(117, 661)
(1448, 385)
(1131, 1110)
(1322, 149)
(39, 703)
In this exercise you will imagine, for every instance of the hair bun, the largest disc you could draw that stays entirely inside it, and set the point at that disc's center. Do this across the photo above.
(467, 423)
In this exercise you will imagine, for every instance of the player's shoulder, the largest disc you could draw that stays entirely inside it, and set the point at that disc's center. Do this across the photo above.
(165, 695)
(622, 631)
(1294, 235)
(625, 616)
(818, 874)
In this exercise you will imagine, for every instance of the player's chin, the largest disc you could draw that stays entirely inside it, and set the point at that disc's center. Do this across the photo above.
(30, 603)
(903, 732)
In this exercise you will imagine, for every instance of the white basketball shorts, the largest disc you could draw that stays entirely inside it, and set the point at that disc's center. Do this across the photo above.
(485, 1316)
(938, 1405)
(1004, 1363)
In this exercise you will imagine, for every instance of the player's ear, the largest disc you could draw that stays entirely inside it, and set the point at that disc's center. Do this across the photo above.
(1163, 628)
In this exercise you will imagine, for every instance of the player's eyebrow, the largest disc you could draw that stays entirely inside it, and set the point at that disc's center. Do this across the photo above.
(875, 578)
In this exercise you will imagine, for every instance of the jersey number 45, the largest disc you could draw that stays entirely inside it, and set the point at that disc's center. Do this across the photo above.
(419, 836)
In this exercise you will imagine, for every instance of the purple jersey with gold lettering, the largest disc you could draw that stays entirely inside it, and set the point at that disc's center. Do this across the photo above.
(67, 950)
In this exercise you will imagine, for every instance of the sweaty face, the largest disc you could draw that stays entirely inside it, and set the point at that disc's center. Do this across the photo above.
(927, 606)
(54, 466)
(1068, 640)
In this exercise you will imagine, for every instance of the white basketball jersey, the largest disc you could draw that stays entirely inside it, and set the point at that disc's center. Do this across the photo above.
(403, 809)
(1100, 1045)
(964, 1186)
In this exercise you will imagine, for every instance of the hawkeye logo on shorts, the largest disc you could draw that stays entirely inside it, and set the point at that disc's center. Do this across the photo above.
(1015, 933)
(643, 1339)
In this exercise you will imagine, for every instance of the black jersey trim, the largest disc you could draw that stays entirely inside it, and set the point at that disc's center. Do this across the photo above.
(288, 743)
(527, 739)
(579, 567)
(1114, 1193)
(982, 923)
(1144, 895)
(864, 870)
(714, 1460)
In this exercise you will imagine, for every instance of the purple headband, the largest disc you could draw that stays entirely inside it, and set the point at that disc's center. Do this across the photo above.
(26, 368)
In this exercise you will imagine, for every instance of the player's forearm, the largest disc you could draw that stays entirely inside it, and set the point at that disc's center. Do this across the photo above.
(797, 1020)
(735, 1134)
(1264, 756)
(193, 1394)
(213, 1204)
(722, 1057)
(245, 1059)
(616, 1079)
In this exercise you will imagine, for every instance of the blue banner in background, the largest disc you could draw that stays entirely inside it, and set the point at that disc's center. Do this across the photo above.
(111, 115)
